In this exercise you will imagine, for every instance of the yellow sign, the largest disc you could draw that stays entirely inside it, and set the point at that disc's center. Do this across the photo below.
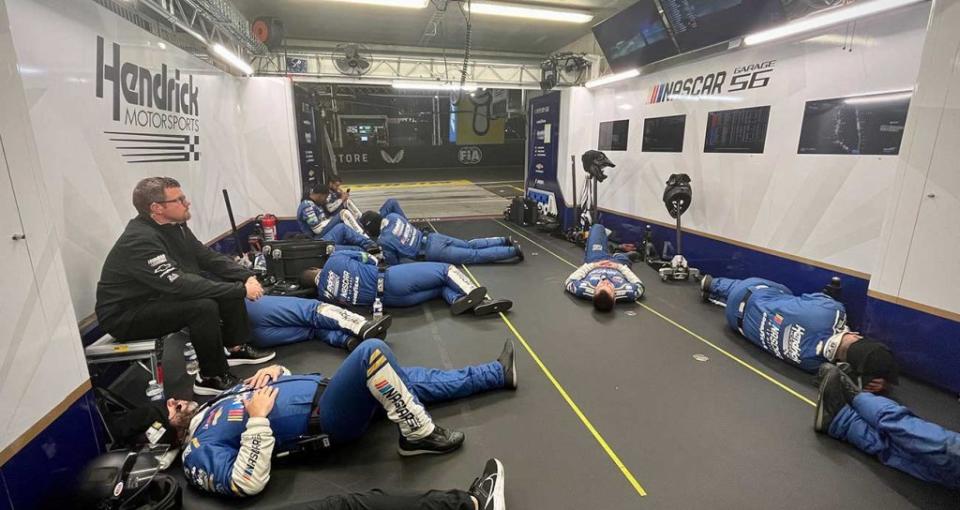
(475, 122)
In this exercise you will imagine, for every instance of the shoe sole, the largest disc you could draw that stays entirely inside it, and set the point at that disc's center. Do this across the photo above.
(378, 331)
(414, 453)
(492, 308)
(705, 288)
(818, 420)
(203, 390)
(513, 369)
(255, 361)
(499, 502)
(469, 302)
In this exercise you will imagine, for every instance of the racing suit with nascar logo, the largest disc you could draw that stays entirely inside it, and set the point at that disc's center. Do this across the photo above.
(402, 242)
(315, 222)
(281, 320)
(352, 278)
(230, 453)
(599, 265)
(802, 330)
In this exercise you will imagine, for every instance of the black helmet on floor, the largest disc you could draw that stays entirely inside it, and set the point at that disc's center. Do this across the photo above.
(126, 479)
(370, 221)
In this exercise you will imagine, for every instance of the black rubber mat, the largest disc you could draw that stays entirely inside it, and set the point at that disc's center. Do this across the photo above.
(694, 434)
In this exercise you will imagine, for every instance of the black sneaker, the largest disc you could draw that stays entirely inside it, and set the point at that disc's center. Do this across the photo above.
(248, 355)
(489, 306)
(440, 441)
(488, 489)
(836, 391)
(376, 328)
(508, 360)
(705, 287)
(373, 248)
(469, 301)
(214, 385)
(519, 251)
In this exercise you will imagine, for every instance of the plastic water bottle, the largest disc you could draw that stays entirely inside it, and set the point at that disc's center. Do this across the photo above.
(154, 390)
(190, 356)
(377, 308)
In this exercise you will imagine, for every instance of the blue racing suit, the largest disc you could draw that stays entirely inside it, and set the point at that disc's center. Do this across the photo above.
(345, 238)
(599, 265)
(352, 278)
(281, 320)
(315, 222)
(336, 203)
(402, 242)
(890, 432)
(802, 330)
(230, 453)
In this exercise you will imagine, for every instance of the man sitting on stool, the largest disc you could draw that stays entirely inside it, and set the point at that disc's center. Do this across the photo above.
(229, 443)
(353, 279)
(402, 242)
(151, 286)
(604, 278)
(805, 331)
(281, 320)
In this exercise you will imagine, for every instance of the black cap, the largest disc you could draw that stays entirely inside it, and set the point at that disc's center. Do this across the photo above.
(872, 360)
(370, 221)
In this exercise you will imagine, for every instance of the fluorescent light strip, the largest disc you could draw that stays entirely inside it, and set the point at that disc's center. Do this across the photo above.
(833, 17)
(407, 4)
(237, 62)
(880, 98)
(420, 85)
(610, 78)
(525, 11)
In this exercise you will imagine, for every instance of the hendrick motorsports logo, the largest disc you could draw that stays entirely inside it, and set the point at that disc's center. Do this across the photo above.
(156, 102)
(751, 76)
(470, 155)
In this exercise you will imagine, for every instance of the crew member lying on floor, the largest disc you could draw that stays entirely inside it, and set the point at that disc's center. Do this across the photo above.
(886, 430)
(604, 278)
(316, 222)
(353, 278)
(230, 441)
(805, 330)
(402, 242)
(280, 320)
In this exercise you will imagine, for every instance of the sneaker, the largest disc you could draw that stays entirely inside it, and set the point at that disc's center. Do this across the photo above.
(440, 441)
(469, 301)
(489, 306)
(519, 251)
(705, 287)
(508, 360)
(488, 489)
(836, 391)
(214, 385)
(373, 248)
(248, 355)
(375, 328)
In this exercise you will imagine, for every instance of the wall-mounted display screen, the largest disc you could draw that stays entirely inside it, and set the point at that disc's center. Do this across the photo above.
(867, 126)
(664, 134)
(700, 23)
(613, 135)
(737, 131)
(634, 37)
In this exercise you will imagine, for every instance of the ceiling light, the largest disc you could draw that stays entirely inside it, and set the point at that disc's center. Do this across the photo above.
(526, 11)
(237, 62)
(431, 85)
(407, 4)
(880, 97)
(610, 78)
(833, 17)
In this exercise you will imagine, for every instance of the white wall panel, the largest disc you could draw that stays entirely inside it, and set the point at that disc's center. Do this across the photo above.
(245, 129)
(822, 207)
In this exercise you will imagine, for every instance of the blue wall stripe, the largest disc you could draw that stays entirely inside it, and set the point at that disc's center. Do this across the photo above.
(927, 347)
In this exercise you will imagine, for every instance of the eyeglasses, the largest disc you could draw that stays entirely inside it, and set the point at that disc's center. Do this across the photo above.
(182, 199)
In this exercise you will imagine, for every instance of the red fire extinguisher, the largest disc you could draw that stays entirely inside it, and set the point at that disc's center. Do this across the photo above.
(269, 223)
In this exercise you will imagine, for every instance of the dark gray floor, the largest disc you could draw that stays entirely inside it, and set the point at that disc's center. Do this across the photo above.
(694, 434)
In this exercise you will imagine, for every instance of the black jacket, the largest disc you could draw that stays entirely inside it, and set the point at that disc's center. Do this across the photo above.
(152, 262)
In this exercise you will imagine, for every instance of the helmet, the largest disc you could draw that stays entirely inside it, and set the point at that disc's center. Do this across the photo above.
(127, 479)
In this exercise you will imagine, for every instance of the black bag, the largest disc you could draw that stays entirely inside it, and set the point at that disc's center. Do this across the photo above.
(286, 260)
(531, 211)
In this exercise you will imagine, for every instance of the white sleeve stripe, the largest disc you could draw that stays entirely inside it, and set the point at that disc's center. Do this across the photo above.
(251, 469)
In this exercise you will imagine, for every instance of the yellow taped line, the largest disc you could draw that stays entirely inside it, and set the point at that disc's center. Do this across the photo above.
(421, 184)
(573, 405)
(719, 349)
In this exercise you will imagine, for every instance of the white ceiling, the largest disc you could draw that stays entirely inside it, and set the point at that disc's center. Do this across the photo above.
(337, 21)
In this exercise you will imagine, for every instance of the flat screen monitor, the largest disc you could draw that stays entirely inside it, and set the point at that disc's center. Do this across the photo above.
(664, 134)
(700, 23)
(852, 126)
(613, 135)
(742, 131)
(634, 37)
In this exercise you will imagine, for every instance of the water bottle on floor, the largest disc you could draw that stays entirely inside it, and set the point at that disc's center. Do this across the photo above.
(190, 356)
(377, 309)
(154, 391)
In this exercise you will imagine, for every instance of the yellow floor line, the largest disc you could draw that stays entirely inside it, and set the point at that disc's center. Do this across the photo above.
(735, 358)
(421, 184)
(566, 396)
(516, 188)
